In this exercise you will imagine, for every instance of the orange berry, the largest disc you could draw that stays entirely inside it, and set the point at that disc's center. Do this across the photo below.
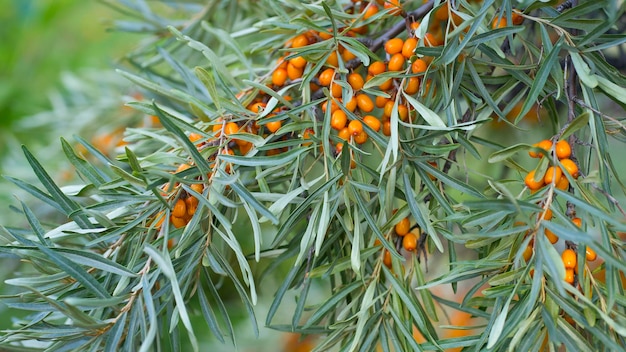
(412, 85)
(569, 276)
(528, 252)
(338, 120)
(419, 66)
(294, 72)
(231, 128)
(257, 107)
(344, 133)
(300, 41)
(298, 62)
(442, 13)
(563, 150)
(388, 109)
(569, 258)
(327, 76)
(335, 90)
(370, 11)
(394, 6)
(403, 112)
(372, 122)
(355, 127)
(273, 126)
(545, 144)
(553, 175)
(279, 77)
(333, 59)
(498, 22)
(551, 236)
(325, 35)
(364, 102)
(547, 214)
(531, 183)
(386, 85)
(590, 254)
(192, 205)
(387, 128)
(376, 68)
(408, 48)
(338, 147)
(431, 40)
(178, 222)
(347, 55)
(409, 242)
(387, 259)
(351, 104)
(197, 187)
(180, 208)
(360, 138)
(578, 222)
(570, 166)
(194, 137)
(394, 46)
(381, 101)
(516, 17)
(333, 106)
(396, 62)
(403, 227)
(414, 25)
(563, 184)
(355, 80)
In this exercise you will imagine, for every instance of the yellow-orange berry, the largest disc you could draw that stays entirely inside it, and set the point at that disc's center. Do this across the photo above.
(563, 184)
(578, 222)
(545, 144)
(553, 174)
(364, 102)
(403, 227)
(344, 133)
(547, 215)
(381, 101)
(387, 259)
(178, 222)
(570, 166)
(569, 258)
(370, 11)
(394, 6)
(409, 242)
(408, 48)
(394, 46)
(294, 72)
(279, 77)
(273, 126)
(298, 62)
(419, 66)
(355, 127)
(530, 182)
(590, 254)
(528, 252)
(569, 276)
(180, 208)
(376, 68)
(551, 236)
(360, 138)
(327, 76)
(516, 17)
(498, 22)
(562, 149)
(355, 80)
(300, 41)
(372, 122)
(387, 128)
(338, 120)
(396, 62)
(412, 85)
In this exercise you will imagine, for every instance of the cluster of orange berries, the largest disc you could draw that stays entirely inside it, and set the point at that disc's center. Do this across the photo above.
(410, 240)
(501, 21)
(553, 174)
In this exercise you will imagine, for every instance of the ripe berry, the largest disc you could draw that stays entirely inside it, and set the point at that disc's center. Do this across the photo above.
(178, 222)
(551, 236)
(530, 182)
(394, 46)
(387, 259)
(545, 144)
(370, 11)
(409, 242)
(294, 72)
(590, 254)
(528, 252)
(180, 208)
(364, 102)
(231, 128)
(338, 120)
(355, 127)
(298, 62)
(563, 184)
(273, 126)
(578, 222)
(279, 77)
(326, 77)
(344, 133)
(553, 174)
(376, 68)
(498, 22)
(372, 122)
(381, 101)
(355, 80)
(419, 66)
(570, 166)
(396, 62)
(408, 48)
(563, 150)
(300, 41)
(516, 17)
(360, 138)
(412, 85)
(569, 276)
(569, 258)
(394, 6)
(403, 227)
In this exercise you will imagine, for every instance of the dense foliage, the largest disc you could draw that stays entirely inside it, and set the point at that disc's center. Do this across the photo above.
(368, 156)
